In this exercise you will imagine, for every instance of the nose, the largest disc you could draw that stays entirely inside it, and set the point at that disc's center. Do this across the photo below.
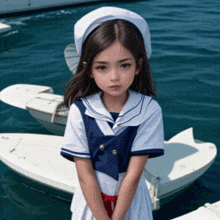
(114, 74)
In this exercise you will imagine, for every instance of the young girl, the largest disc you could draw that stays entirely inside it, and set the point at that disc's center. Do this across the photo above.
(114, 125)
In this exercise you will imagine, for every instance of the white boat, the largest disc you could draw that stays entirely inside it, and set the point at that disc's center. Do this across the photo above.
(37, 158)
(41, 103)
(4, 28)
(14, 6)
(206, 212)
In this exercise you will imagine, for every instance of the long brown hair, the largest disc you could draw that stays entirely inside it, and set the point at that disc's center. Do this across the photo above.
(103, 36)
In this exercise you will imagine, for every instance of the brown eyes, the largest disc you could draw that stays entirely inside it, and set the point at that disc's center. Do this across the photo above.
(101, 68)
(123, 66)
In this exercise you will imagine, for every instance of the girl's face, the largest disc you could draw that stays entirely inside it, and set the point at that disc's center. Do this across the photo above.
(114, 70)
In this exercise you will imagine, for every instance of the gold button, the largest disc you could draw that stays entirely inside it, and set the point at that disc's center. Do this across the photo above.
(102, 147)
(114, 152)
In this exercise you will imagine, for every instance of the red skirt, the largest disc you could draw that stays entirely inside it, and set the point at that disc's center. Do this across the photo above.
(109, 203)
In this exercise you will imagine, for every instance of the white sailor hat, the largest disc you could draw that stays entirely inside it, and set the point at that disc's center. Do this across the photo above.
(90, 21)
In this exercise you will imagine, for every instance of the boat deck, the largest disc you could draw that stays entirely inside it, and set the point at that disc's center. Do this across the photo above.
(206, 212)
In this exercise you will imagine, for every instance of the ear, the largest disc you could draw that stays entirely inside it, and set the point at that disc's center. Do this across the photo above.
(84, 64)
(139, 67)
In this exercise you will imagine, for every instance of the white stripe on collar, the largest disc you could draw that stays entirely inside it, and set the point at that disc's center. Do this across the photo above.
(132, 114)
(95, 107)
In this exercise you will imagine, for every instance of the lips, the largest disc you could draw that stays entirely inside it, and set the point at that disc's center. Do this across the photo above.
(115, 87)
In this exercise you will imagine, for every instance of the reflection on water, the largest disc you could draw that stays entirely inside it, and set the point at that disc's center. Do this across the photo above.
(20, 200)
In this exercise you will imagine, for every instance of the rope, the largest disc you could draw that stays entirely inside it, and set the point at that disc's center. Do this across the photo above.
(55, 111)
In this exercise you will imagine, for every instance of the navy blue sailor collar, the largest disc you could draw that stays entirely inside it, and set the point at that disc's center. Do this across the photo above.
(132, 114)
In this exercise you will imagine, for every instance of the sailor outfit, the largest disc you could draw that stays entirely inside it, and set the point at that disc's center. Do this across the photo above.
(92, 132)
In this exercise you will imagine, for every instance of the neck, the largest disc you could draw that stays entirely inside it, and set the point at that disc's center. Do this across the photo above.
(114, 103)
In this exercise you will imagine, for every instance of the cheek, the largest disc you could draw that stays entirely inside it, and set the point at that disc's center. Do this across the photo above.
(130, 80)
(98, 79)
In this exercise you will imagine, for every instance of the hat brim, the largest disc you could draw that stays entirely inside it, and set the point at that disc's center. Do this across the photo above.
(93, 19)
(71, 57)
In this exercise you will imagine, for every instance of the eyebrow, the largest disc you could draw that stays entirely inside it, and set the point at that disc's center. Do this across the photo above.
(120, 61)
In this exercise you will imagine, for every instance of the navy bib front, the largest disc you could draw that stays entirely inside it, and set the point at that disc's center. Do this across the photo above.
(110, 154)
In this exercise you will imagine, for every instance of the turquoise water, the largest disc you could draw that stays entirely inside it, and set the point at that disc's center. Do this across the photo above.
(185, 62)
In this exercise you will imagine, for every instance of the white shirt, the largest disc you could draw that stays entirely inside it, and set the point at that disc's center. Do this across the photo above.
(139, 110)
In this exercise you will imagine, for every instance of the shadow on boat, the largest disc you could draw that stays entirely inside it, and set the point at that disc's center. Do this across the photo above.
(174, 153)
(172, 169)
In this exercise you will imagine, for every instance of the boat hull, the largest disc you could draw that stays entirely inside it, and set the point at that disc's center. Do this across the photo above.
(14, 6)
(45, 120)
(37, 158)
(49, 111)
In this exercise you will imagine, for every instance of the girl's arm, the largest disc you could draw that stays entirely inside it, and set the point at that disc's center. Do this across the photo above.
(90, 188)
(129, 186)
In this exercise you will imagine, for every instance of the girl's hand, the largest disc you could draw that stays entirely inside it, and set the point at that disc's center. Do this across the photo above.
(129, 186)
(90, 188)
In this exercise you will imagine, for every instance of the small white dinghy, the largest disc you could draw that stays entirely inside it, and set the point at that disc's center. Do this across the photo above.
(206, 212)
(37, 157)
(41, 103)
(4, 28)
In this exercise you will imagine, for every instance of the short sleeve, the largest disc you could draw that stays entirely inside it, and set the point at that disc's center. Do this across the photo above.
(75, 139)
(150, 134)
